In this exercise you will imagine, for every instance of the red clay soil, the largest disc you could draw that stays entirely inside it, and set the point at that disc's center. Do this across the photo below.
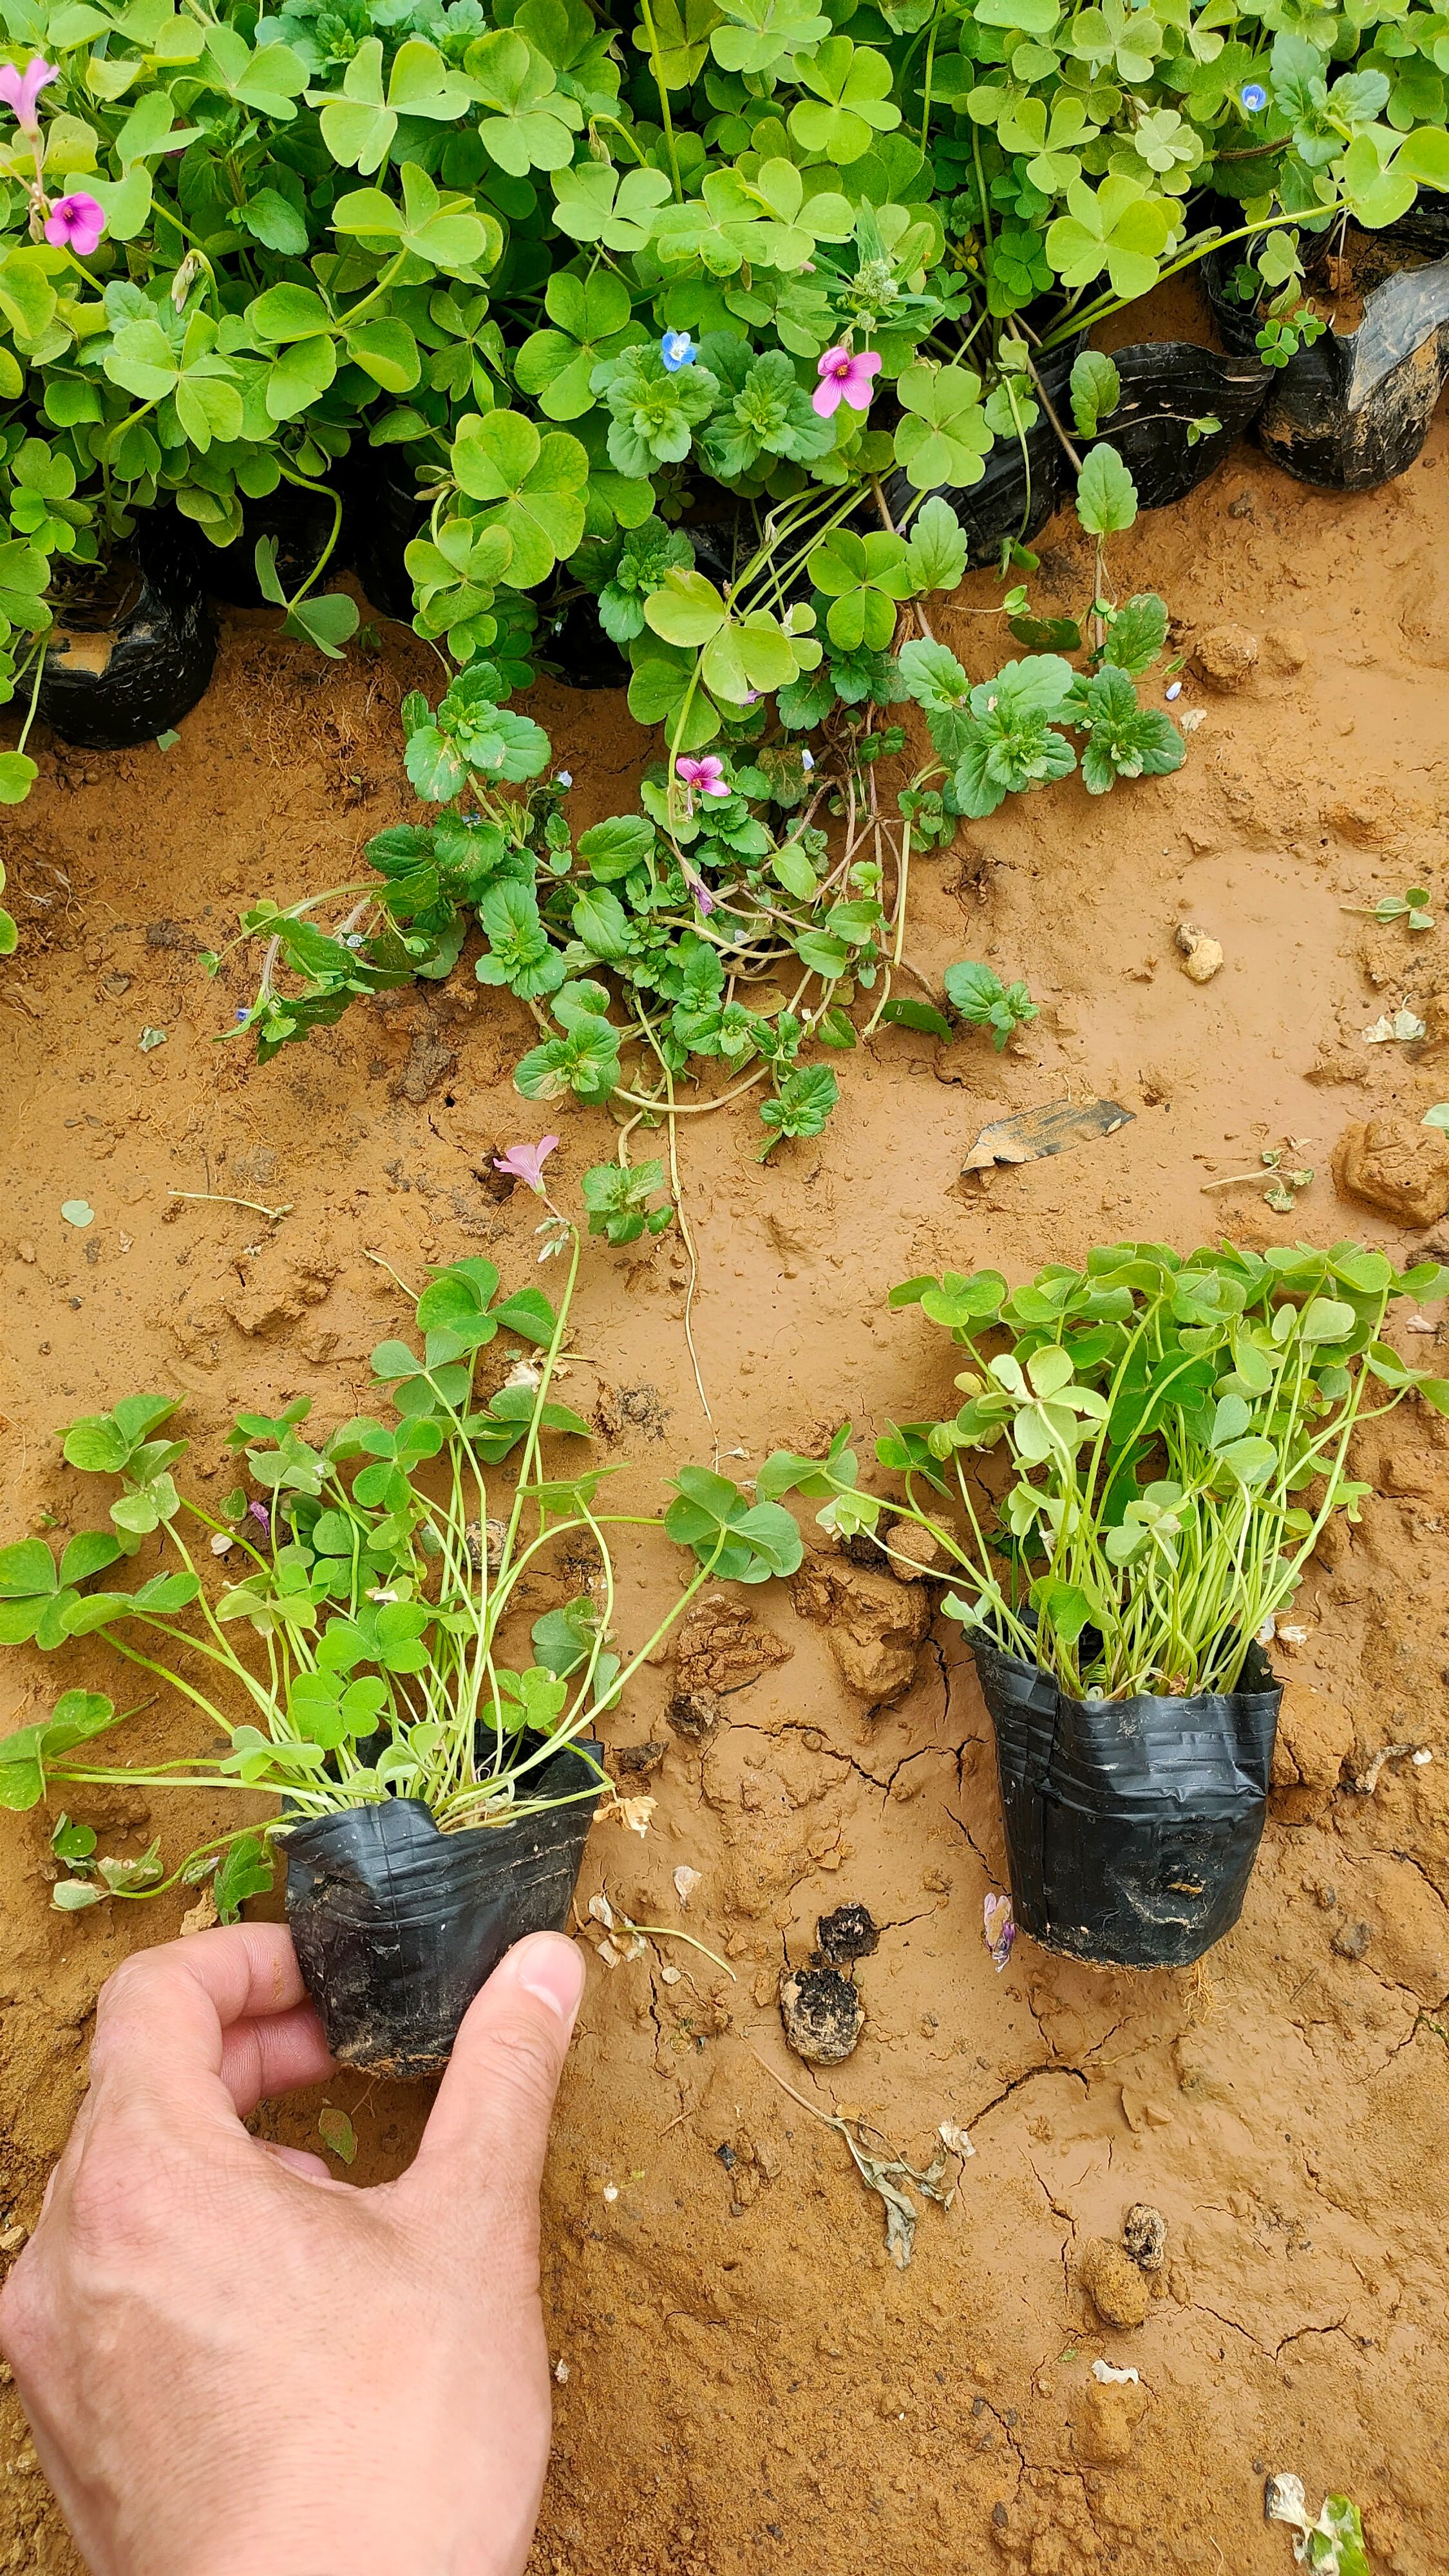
(746, 2380)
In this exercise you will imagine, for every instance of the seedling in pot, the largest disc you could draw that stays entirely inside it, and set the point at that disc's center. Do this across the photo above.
(1177, 1433)
(361, 1650)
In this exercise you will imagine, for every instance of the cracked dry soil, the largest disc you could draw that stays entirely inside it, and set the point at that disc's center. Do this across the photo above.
(750, 2382)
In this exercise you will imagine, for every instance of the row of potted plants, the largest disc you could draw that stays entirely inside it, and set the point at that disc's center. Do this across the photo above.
(739, 334)
(1175, 1435)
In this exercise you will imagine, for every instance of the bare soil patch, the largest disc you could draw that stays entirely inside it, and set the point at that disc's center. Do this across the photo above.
(745, 2379)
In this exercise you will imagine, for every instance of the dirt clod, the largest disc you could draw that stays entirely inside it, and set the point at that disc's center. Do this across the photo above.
(1353, 1941)
(1315, 1739)
(1144, 2236)
(1104, 2431)
(914, 1553)
(634, 1759)
(846, 1935)
(1396, 1165)
(1117, 2289)
(695, 1714)
(876, 1625)
(1201, 956)
(822, 2014)
(722, 1646)
(1225, 656)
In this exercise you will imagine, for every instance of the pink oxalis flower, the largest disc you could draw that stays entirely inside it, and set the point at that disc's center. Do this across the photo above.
(20, 90)
(706, 775)
(845, 377)
(526, 1162)
(75, 223)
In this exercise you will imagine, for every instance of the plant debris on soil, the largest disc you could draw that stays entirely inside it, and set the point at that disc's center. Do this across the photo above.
(751, 2380)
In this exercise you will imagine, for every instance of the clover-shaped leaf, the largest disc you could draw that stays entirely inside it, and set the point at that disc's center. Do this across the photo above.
(683, 29)
(528, 123)
(1118, 227)
(944, 437)
(598, 203)
(738, 1541)
(444, 233)
(852, 101)
(765, 33)
(863, 578)
(533, 487)
(592, 322)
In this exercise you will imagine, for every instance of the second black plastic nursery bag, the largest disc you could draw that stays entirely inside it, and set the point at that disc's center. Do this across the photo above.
(1132, 1825)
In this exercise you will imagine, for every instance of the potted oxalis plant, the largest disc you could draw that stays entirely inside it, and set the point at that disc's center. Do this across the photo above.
(1175, 1437)
(362, 1659)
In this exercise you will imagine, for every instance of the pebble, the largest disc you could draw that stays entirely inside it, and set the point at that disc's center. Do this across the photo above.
(1352, 1941)
(1202, 957)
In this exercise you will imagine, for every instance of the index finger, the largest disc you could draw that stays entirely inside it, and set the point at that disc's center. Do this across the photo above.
(211, 2024)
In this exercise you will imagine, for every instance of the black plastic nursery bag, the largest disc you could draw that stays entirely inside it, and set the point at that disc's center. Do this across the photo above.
(397, 1925)
(1026, 479)
(120, 675)
(1168, 386)
(1353, 410)
(1132, 1825)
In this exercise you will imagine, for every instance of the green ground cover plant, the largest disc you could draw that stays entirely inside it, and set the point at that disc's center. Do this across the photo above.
(1147, 1450)
(354, 1648)
(577, 282)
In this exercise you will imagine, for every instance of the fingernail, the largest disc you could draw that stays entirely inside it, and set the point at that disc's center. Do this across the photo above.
(553, 1969)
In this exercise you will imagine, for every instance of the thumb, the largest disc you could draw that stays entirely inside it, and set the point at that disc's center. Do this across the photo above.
(488, 2129)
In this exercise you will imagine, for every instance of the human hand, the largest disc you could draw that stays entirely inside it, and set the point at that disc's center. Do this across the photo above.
(234, 2364)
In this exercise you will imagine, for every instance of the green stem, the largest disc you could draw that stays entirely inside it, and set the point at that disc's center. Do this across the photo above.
(662, 86)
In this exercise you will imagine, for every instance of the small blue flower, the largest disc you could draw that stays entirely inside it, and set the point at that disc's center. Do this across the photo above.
(677, 350)
(1254, 98)
(244, 1015)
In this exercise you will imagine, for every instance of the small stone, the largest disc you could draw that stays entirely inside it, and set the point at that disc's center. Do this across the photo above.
(1202, 957)
(1352, 1941)
(695, 1714)
(1225, 657)
(1396, 1165)
(822, 2014)
(846, 1935)
(1115, 2286)
(13, 2239)
(1144, 2236)
(25, 1252)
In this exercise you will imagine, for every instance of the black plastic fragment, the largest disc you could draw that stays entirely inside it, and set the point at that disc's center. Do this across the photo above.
(397, 1925)
(1353, 410)
(1132, 1825)
(131, 666)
